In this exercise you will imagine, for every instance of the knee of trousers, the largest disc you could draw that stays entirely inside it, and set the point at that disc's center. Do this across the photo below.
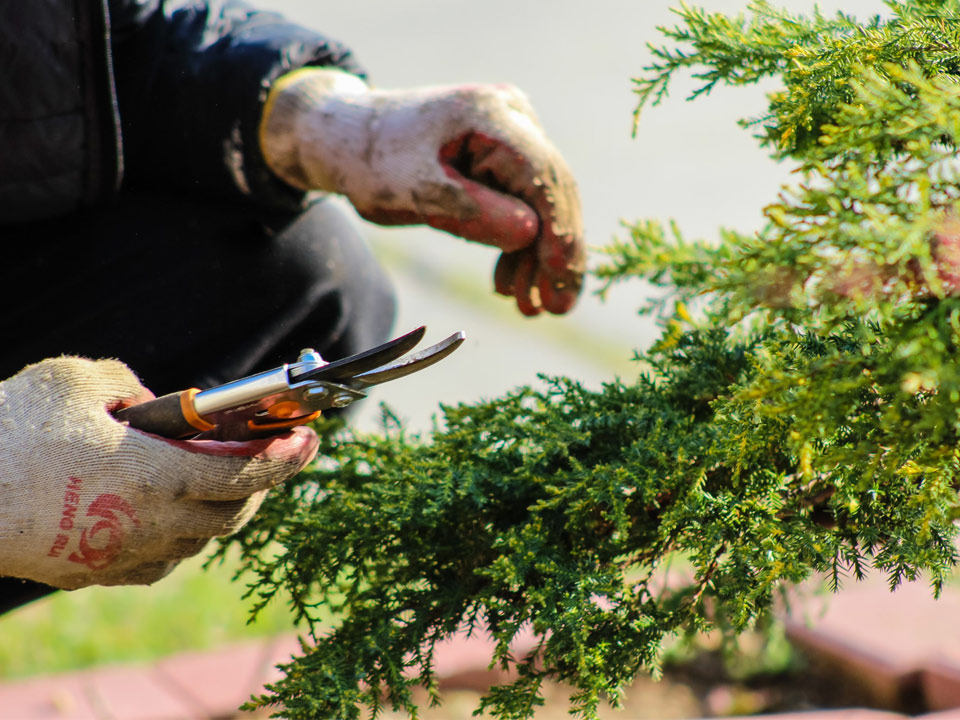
(347, 297)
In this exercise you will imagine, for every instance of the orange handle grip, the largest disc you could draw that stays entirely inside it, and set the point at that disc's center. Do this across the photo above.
(171, 416)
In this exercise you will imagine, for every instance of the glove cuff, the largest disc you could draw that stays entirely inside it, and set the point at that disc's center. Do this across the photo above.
(309, 106)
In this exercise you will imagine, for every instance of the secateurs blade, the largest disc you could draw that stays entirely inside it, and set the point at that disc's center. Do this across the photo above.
(292, 394)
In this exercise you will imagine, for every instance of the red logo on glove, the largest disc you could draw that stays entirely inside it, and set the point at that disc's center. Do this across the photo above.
(96, 552)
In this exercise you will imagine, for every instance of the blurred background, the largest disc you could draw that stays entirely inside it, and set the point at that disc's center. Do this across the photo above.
(575, 60)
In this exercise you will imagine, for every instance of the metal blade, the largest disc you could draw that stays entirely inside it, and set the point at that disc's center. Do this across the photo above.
(410, 364)
(345, 369)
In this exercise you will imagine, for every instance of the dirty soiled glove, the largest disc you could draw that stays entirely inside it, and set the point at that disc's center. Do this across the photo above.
(85, 500)
(471, 160)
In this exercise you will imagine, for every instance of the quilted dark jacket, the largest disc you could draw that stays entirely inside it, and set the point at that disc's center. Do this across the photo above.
(99, 94)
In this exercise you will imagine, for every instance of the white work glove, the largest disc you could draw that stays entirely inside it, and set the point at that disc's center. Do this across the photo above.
(471, 160)
(85, 500)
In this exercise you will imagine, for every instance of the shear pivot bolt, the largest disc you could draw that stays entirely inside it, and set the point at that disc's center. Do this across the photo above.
(308, 360)
(341, 400)
(315, 393)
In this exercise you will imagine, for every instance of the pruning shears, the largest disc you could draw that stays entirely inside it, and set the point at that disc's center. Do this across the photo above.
(295, 393)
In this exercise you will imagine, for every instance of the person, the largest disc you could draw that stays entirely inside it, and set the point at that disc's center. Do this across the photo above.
(163, 176)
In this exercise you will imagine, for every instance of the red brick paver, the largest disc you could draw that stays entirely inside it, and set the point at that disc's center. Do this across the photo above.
(188, 686)
(47, 697)
(940, 684)
(135, 693)
(893, 644)
(216, 682)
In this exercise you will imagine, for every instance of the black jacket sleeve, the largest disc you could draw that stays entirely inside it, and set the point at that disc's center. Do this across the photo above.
(192, 77)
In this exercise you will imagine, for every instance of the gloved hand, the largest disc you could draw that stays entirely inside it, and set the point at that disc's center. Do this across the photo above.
(471, 160)
(85, 500)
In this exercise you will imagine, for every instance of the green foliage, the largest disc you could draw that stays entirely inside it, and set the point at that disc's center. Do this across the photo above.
(805, 422)
(818, 59)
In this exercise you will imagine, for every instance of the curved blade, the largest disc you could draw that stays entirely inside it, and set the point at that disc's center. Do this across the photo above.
(345, 369)
(410, 364)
